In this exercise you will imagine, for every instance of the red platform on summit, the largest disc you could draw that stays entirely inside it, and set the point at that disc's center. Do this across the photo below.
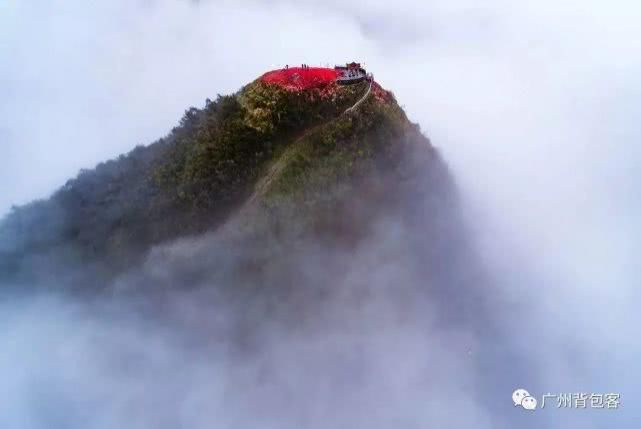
(297, 78)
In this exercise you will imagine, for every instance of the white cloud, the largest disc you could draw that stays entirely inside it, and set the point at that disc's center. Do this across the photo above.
(535, 106)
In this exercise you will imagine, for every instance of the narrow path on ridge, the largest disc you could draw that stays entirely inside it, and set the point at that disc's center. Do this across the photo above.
(275, 169)
(359, 102)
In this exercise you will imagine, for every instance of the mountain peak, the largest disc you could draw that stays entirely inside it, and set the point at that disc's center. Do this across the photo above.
(335, 82)
(298, 137)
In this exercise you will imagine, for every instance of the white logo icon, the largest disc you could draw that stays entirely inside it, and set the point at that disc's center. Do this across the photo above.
(521, 397)
(529, 403)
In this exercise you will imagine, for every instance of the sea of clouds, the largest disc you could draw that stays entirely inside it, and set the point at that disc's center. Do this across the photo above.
(534, 106)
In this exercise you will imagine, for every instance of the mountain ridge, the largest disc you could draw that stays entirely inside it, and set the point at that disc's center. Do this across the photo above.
(267, 146)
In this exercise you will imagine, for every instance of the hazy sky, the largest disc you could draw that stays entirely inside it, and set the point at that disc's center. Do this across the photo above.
(498, 86)
(534, 105)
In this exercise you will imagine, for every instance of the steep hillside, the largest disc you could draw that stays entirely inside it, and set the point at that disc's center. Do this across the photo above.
(277, 258)
(283, 144)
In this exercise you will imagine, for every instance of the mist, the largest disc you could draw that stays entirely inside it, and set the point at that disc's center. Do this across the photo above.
(204, 334)
(534, 108)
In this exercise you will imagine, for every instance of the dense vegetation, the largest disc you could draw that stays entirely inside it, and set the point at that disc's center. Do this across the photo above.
(205, 168)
